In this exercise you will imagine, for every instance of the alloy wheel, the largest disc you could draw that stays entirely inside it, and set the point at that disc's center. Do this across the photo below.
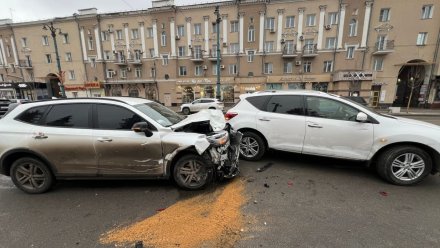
(193, 173)
(249, 147)
(408, 166)
(30, 176)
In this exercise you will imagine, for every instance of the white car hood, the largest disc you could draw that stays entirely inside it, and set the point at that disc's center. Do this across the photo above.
(416, 122)
(214, 116)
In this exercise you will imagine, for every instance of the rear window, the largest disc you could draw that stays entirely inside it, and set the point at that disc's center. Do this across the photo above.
(69, 115)
(288, 104)
(258, 101)
(32, 115)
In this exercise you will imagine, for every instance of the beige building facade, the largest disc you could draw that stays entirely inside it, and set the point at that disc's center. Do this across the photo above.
(367, 48)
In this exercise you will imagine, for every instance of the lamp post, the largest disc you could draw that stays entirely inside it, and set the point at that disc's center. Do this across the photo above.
(53, 32)
(217, 21)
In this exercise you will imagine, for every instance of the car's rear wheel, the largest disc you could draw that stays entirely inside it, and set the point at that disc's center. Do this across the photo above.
(252, 146)
(192, 172)
(404, 165)
(31, 175)
(186, 111)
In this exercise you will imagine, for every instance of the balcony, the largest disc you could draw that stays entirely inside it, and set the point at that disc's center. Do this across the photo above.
(289, 52)
(197, 56)
(384, 47)
(135, 61)
(310, 50)
(213, 55)
(26, 64)
(120, 60)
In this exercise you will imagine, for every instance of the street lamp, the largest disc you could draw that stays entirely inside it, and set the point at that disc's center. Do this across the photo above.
(217, 21)
(53, 32)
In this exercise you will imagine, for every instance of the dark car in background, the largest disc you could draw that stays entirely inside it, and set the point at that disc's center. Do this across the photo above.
(4, 104)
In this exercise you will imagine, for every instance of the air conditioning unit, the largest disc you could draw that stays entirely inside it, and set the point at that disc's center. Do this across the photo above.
(205, 67)
(282, 40)
(301, 38)
(225, 44)
(327, 27)
(114, 73)
(222, 66)
(298, 62)
(128, 69)
(272, 30)
(177, 37)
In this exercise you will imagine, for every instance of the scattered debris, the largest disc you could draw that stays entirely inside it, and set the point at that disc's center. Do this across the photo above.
(265, 167)
(255, 202)
(266, 185)
(160, 209)
(250, 179)
(265, 223)
(383, 193)
(139, 244)
(290, 183)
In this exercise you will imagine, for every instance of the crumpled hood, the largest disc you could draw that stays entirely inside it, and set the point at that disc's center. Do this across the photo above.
(214, 116)
(416, 122)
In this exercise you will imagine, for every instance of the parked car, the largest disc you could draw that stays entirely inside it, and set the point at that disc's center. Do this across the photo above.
(4, 103)
(403, 151)
(114, 138)
(357, 99)
(199, 104)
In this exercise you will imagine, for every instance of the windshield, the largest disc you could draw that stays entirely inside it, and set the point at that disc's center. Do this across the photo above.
(161, 114)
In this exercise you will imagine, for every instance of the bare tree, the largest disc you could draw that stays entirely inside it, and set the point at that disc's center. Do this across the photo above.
(415, 78)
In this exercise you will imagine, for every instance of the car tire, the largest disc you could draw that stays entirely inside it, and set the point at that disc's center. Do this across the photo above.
(404, 165)
(252, 146)
(31, 175)
(186, 111)
(192, 172)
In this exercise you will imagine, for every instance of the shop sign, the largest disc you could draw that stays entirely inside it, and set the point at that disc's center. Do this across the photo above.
(353, 75)
(92, 85)
(203, 81)
(3, 85)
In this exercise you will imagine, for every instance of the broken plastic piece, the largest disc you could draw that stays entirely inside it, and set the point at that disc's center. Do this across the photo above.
(383, 193)
(265, 167)
(266, 185)
(290, 183)
(160, 209)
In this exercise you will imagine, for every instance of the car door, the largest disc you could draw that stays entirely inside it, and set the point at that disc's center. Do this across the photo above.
(121, 151)
(282, 122)
(65, 139)
(195, 105)
(332, 130)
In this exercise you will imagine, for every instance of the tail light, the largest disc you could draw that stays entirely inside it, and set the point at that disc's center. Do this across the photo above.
(230, 115)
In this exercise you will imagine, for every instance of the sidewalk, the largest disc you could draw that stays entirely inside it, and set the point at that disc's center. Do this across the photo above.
(412, 112)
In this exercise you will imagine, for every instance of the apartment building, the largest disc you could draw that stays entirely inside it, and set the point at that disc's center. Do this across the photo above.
(168, 53)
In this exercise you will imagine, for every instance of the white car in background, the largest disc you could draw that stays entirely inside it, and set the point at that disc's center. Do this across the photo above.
(199, 104)
(403, 151)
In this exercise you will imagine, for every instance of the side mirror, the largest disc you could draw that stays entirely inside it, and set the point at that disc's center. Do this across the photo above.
(142, 127)
(361, 117)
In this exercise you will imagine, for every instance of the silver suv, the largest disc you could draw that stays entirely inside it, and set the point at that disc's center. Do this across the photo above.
(114, 138)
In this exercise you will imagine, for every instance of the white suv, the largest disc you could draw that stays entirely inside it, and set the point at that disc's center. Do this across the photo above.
(404, 151)
(199, 104)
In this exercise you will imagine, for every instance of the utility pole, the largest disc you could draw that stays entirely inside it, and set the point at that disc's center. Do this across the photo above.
(217, 21)
(53, 32)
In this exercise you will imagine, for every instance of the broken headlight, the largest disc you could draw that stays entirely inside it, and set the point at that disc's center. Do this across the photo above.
(218, 138)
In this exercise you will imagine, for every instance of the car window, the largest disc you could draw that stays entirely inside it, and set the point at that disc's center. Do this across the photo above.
(159, 113)
(111, 117)
(258, 101)
(32, 115)
(69, 115)
(207, 101)
(288, 104)
(331, 109)
(196, 102)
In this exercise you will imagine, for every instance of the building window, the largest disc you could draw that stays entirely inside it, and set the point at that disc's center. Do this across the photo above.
(332, 18)
(215, 27)
(45, 40)
(384, 15)
(290, 22)
(181, 51)
(270, 23)
(123, 73)
(250, 56)
(320, 87)
(421, 38)
(133, 92)
(328, 66)
(378, 64)
(234, 48)
(234, 26)
(151, 52)
(119, 34)
(2, 78)
(307, 66)
(110, 73)
(214, 70)
(164, 59)
(198, 70)
(233, 69)
(107, 55)
(138, 72)
(137, 55)
(104, 36)
(214, 51)
(268, 46)
(69, 57)
(48, 58)
(251, 34)
(352, 28)
(150, 33)
(181, 30)
(163, 39)
(288, 67)
(330, 43)
(350, 52)
(8, 51)
(24, 42)
(65, 38)
(90, 43)
(427, 11)
(268, 68)
(310, 21)
(135, 34)
(197, 28)
(71, 75)
(182, 71)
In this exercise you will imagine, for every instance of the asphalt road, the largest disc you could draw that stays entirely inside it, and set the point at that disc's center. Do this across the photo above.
(309, 202)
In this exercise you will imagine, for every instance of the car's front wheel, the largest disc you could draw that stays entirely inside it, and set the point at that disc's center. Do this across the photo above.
(31, 175)
(252, 146)
(186, 111)
(404, 165)
(192, 172)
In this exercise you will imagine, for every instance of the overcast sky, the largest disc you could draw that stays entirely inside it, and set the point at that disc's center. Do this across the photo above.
(30, 10)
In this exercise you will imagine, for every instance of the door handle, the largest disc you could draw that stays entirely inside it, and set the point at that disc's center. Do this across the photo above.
(105, 140)
(39, 135)
(314, 125)
(263, 119)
